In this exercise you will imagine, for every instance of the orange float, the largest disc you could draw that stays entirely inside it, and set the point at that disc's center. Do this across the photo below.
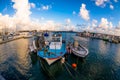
(74, 65)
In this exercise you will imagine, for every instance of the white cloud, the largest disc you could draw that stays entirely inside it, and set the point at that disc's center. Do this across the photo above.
(110, 25)
(105, 24)
(111, 7)
(84, 13)
(22, 8)
(101, 2)
(115, 0)
(32, 5)
(94, 23)
(46, 7)
(119, 23)
(21, 19)
(6, 22)
(42, 18)
(118, 26)
(73, 12)
(68, 21)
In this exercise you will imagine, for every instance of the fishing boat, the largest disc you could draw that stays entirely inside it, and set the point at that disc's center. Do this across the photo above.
(79, 50)
(33, 46)
(51, 53)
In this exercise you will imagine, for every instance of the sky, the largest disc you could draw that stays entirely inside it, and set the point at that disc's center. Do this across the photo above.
(101, 16)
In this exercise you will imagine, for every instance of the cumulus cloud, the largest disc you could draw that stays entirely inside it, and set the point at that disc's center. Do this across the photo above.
(22, 8)
(46, 7)
(110, 25)
(73, 12)
(94, 23)
(105, 24)
(115, 0)
(32, 5)
(42, 18)
(6, 22)
(21, 20)
(118, 26)
(84, 13)
(68, 21)
(111, 7)
(100, 2)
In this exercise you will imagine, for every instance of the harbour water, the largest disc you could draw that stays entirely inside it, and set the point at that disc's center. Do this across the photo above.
(102, 62)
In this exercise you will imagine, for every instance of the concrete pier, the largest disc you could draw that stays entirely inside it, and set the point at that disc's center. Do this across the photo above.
(12, 39)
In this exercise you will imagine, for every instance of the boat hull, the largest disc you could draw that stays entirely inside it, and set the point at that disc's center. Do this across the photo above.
(80, 53)
(51, 70)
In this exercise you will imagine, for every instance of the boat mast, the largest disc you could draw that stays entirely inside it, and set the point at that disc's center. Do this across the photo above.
(55, 48)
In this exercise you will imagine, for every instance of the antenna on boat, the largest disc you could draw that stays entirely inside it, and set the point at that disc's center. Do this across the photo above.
(55, 48)
(55, 45)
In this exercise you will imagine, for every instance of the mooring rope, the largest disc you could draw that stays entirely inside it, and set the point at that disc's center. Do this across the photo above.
(48, 72)
(69, 71)
(72, 68)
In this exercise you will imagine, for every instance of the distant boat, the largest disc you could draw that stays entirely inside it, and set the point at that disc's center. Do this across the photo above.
(79, 50)
(51, 54)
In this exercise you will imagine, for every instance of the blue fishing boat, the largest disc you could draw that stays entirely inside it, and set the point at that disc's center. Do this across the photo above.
(51, 53)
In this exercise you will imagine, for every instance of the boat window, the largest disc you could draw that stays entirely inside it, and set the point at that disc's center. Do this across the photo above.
(56, 39)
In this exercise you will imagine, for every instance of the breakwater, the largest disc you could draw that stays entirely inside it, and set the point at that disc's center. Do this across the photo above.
(105, 37)
(14, 38)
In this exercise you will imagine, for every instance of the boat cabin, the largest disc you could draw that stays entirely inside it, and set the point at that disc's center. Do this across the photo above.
(56, 42)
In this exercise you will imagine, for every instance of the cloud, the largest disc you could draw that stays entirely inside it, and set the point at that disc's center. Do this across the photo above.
(105, 24)
(119, 24)
(68, 21)
(32, 5)
(110, 25)
(94, 23)
(115, 0)
(21, 20)
(100, 2)
(73, 12)
(22, 8)
(46, 7)
(42, 18)
(111, 7)
(84, 13)
(6, 22)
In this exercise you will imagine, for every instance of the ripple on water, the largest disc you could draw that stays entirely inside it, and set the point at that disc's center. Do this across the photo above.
(102, 63)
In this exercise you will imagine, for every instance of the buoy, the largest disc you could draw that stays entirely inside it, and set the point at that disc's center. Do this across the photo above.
(74, 65)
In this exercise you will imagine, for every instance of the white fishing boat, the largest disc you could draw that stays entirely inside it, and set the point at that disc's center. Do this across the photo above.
(79, 50)
(51, 53)
(53, 50)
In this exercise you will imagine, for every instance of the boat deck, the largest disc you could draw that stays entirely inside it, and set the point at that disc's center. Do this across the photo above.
(50, 61)
(52, 53)
(80, 51)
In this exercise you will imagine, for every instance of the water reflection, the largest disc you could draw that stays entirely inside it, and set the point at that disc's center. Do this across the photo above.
(14, 59)
(34, 58)
(117, 56)
(102, 47)
(102, 63)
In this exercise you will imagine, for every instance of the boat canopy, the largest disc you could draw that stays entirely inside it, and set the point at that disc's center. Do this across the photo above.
(46, 34)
